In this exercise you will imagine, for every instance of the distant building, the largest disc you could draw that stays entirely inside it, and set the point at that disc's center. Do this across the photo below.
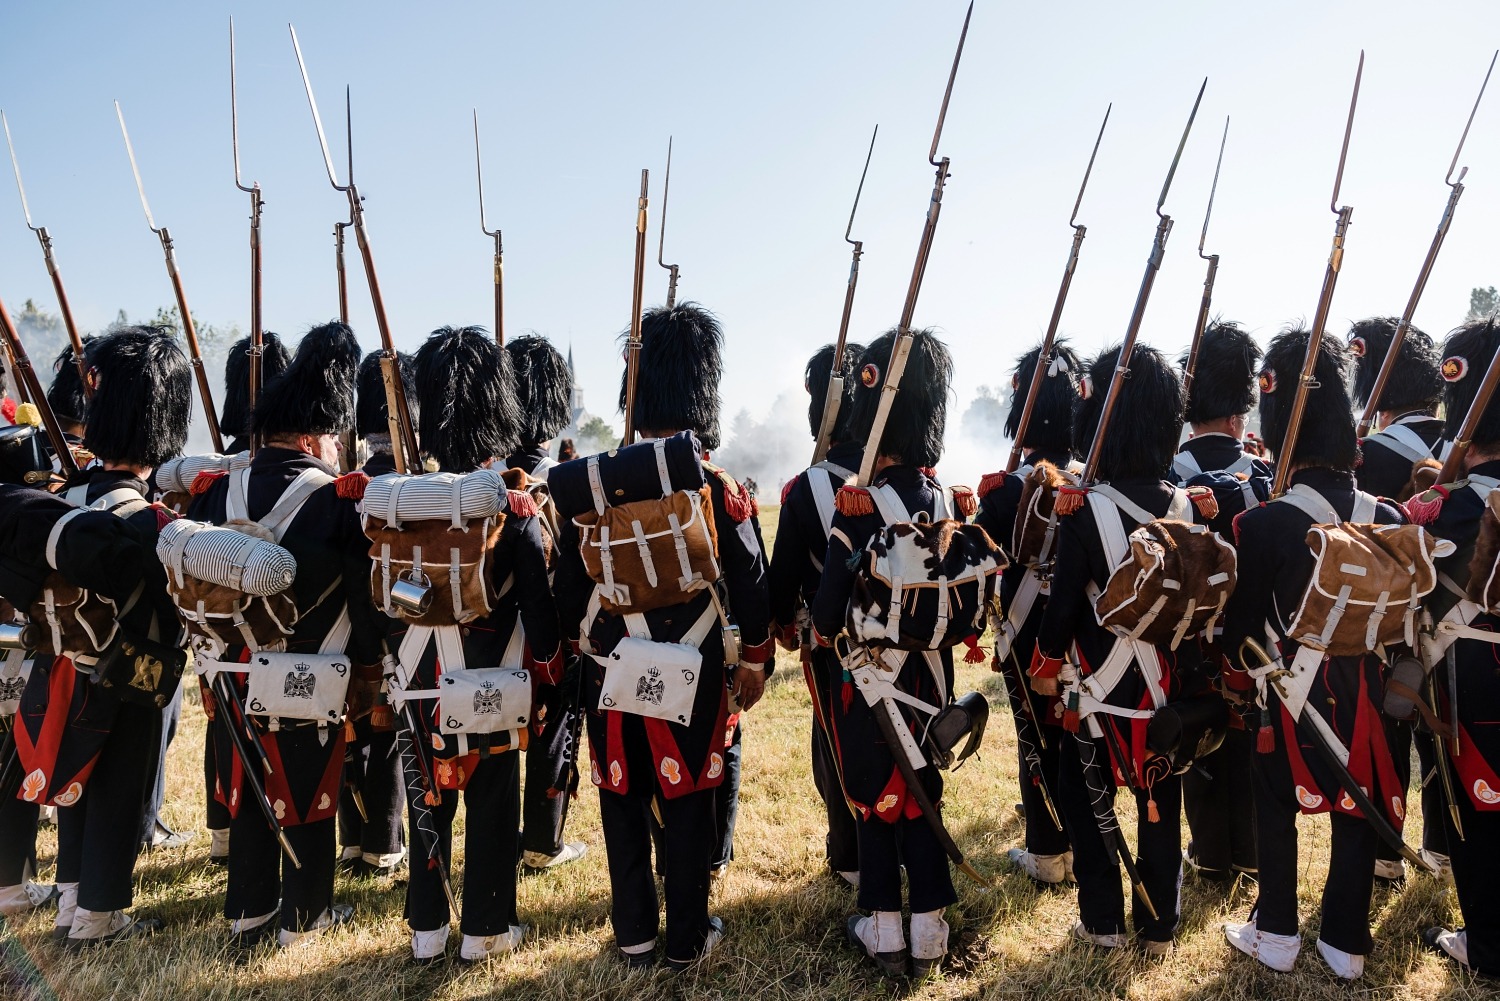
(580, 415)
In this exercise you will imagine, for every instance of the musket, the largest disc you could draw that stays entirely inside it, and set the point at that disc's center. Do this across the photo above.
(205, 392)
(23, 394)
(45, 239)
(1440, 744)
(28, 378)
(633, 345)
(1453, 465)
(339, 227)
(1208, 280)
(902, 346)
(1456, 189)
(229, 699)
(661, 241)
(1306, 380)
(835, 395)
(1100, 786)
(495, 233)
(403, 434)
(257, 329)
(1044, 357)
(1138, 313)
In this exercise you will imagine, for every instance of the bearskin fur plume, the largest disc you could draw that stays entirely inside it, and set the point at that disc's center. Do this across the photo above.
(1416, 382)
(369, 402)
(681, 365)
(1146, 425)
(919, 414)
(315, 395)
(1326, 437)
(1224, 381)
(544, 388)
(66, 395)
(1051, 424)
(815, 381)
(1466, 356)
(468, 398)
(234, 418)
(143, 396)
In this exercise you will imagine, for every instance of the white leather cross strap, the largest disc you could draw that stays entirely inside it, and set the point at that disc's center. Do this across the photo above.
(821, 485)
(1317, 507)
(287, 506)
(875, 677)
(1402, 440)
(121, 502)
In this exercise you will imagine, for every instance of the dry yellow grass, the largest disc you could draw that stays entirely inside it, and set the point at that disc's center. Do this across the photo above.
(784, 914)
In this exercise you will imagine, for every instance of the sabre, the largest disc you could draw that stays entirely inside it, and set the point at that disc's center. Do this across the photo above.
(835, 394)
(45, 239)
(661, 241)
(1213, 272)
(257, 329)
(189, 329)
(403, 434)
(1456, 189)
(633, 344)
(1138, 313)
(495, 233)
(1306, 380)
(24, 369)
(902, 347)
(1044, 357)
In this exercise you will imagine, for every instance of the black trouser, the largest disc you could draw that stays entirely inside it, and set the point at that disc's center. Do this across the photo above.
(216, 814)
(1101, 900)
(1351, 863)
(99, 836)
(374, 768)
(171, 715)
(18, 820)
(885, 847)
(492, 814)
(842, 842)
(260, 874)
(1400, 735)
(543, 814)
(727, 800)
(688, 844)
(1476, 878)
(1044, 836)
(1219, 800)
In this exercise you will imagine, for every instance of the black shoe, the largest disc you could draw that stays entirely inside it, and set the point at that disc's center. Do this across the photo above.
(252, 938)
(138, 928)
(361, 869)
(219, 861)
(892, 964)
(638, 960)
(714, 937)
(59, 933)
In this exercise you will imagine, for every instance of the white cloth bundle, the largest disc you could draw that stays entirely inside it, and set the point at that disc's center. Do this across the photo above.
(177, 475)
(225, 556)
(454, 497)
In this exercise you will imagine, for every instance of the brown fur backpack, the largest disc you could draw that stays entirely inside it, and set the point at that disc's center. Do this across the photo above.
(1036, 518)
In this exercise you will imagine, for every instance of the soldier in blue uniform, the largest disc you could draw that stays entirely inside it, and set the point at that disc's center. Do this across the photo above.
(1406, 416)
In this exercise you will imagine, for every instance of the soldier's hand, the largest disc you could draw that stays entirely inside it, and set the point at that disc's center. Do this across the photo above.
(749, 685)
(1045, 686)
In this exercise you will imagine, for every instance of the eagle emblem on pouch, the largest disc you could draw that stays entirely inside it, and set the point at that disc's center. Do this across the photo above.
(487, 700)
(650, 688)
(11, 688)
(299, 683)
(146, 673)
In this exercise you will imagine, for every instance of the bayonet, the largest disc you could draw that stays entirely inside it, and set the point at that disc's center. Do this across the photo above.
(257, 328)
(1456, 189)
(1045, 356)
(835, 395)
(1306, 380)
(1213, 272)
(661, 242)
(499, 268)
(189, 329)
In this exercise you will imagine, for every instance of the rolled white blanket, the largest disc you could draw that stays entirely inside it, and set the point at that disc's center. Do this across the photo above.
(225, 556)
(456, 497)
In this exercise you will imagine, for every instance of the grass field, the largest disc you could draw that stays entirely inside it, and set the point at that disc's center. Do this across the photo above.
(784, 914)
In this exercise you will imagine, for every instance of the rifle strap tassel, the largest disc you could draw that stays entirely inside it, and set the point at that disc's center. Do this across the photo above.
(1265, 737)
(1069, 499)
(975, 654)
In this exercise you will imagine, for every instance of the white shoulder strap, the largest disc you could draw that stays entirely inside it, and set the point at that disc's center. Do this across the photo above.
(823, 490)
(287, 506)
(540, 472)
(1311, 503)
(1186, 464)
(1364, 508)
(1405, 442)
(121, 502)
(888, 503)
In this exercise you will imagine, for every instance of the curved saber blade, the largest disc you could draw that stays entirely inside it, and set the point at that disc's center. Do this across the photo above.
(312, 102)
(1214, 190)
(1181, 145)
(15, 165)
(134, 169)
(937, 133)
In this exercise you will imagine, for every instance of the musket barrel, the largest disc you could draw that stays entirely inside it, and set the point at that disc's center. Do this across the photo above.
(257, 328)
(27, 373)
(499, 291)
(1201, 324)
(633, 346)
(338, 251)
(69, 324)
(1044, 357)
(395, 395)
(190, 331)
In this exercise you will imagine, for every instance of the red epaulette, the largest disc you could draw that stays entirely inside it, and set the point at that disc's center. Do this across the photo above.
(1424, 508)
(786, 491)
(164, 515)
(206, 479)
(990, 482)
(521, 503)
(351, 486)
(8, 410)
(1204, 500)
(853, 502)
(738, 503)
(1069, 499)
(965, 502)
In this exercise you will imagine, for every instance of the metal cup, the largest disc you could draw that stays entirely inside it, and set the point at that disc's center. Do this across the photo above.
(412, 593)
(14, 636)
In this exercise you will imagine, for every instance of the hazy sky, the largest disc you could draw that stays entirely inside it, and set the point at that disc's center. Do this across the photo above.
(771, 105)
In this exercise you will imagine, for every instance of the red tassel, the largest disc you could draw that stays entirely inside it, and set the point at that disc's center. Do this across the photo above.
(965, 501)
(996, 664)
(1204, 500)
(1265, 737)
(1070, 719)
(990, 482)
(521, 503)
(1069, 499)
(975, 654)
(846, 693)
(1424, 508)
(204, 480)
(738, 503)
(1152, 814)
(351, 486)
(853, 502)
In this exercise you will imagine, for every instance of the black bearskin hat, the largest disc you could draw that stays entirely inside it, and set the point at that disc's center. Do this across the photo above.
(1326, 437)
(66, 395)
(544, 388)
(369, 407)
(919, 414)
(815, 381)
(1146, 425)
(315, 395)
(234, 418)
(1466, 356)
(1224, 381)
(143, 396)
(1415, 382)
(681, 363)
(468, 398)
(1051, 425)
